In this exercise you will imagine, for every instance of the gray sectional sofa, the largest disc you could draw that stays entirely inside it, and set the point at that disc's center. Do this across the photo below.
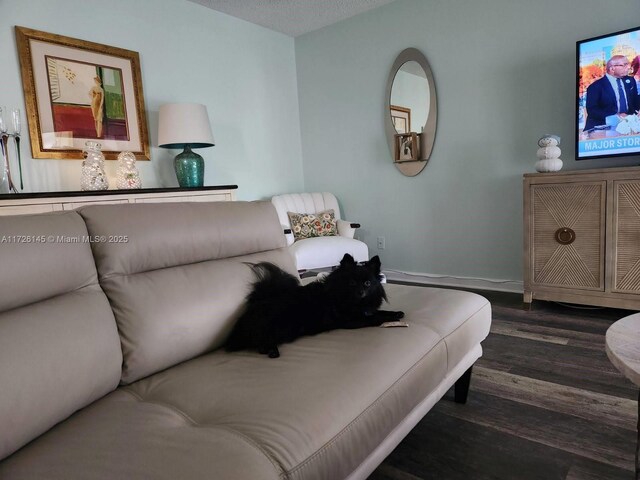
(111, 323)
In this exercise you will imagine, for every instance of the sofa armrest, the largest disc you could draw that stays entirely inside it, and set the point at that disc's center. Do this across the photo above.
(347, 229)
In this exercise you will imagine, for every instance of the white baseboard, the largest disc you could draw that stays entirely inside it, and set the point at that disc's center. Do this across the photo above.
(514, 286)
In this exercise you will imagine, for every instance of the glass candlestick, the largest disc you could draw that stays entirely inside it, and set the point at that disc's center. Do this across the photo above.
(3, 123)
(4, 175)
(6, 185)
(15, 120)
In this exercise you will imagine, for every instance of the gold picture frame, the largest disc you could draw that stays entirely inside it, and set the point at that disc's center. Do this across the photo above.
(76, 91)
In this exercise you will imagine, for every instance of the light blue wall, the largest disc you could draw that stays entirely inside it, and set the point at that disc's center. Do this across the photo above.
(504, 72)
(245, 74)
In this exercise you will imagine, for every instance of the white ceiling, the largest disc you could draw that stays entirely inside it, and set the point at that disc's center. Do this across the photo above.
(292, 17)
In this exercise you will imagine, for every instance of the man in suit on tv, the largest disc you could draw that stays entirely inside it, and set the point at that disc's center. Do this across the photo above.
(614, 94)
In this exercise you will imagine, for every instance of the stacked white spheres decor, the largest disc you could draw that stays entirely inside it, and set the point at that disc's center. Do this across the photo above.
(549, 154)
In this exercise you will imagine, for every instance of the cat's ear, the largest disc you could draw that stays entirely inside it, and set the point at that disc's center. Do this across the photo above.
(347, 261)
(374, 265)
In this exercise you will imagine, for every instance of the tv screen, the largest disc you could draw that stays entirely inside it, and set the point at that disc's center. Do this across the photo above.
(608, 101)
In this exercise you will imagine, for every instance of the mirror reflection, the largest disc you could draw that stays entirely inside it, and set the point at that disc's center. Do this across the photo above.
(410, 98)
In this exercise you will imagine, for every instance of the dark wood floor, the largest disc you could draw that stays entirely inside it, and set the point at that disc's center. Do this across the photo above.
(545, 403)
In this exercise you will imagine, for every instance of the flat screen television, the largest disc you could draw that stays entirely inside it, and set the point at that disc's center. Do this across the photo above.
(608, 85)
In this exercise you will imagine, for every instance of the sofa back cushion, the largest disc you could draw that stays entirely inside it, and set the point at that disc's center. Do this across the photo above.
(176, 274)
(59, 345)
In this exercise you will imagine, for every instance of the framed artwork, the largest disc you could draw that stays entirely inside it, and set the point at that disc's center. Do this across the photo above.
(401, 118)
(407, 147)
(77, 91)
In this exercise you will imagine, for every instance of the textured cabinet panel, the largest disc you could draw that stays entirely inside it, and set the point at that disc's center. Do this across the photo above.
(626, 234)
(582, 237)
(578, 209)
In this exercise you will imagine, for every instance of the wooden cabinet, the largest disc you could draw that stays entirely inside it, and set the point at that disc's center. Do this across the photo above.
(582, 237)
(626, 237)
(27, 203)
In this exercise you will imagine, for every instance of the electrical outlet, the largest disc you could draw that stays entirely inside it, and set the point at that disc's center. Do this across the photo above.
(380, 243)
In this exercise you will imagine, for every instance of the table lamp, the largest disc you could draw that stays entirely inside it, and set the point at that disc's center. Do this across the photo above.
(186, 125)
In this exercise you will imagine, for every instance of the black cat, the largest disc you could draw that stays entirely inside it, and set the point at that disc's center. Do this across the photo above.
(279, 309)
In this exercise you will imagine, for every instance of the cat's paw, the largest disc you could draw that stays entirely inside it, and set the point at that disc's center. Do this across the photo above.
(398, 315)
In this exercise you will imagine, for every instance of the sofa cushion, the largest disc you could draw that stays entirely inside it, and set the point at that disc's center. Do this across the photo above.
(153, 236)
(39, 248)
(176, 295)
(59, 346)
(122, 438)
(441, 309)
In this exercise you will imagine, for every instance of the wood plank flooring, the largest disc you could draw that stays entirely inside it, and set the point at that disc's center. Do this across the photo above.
(545, 403)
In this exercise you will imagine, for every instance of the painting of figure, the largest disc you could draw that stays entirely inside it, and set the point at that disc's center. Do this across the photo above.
(87, 100)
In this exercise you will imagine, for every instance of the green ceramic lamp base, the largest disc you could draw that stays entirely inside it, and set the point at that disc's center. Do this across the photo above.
(189, 168)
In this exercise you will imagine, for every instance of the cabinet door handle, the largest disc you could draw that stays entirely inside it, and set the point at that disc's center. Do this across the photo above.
(565, 236)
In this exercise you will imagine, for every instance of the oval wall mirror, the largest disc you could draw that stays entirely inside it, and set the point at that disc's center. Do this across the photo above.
(410, 112)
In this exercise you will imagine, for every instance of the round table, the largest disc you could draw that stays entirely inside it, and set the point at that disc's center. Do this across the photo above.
(623, 349)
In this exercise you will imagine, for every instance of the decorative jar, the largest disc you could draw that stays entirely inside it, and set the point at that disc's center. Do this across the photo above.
(127, 174)
(93, 174)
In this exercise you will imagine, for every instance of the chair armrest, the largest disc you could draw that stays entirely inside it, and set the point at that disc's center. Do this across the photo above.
(288, 234)
(347, 229)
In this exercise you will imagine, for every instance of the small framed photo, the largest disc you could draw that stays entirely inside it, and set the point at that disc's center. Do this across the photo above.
(407, 147)
(77, 91)
(401, 118)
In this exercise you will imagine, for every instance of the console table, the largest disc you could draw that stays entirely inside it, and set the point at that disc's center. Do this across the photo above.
(582, 237)
(27, 203)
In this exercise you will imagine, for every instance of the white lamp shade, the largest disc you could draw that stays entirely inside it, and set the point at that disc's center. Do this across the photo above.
(184, 124)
